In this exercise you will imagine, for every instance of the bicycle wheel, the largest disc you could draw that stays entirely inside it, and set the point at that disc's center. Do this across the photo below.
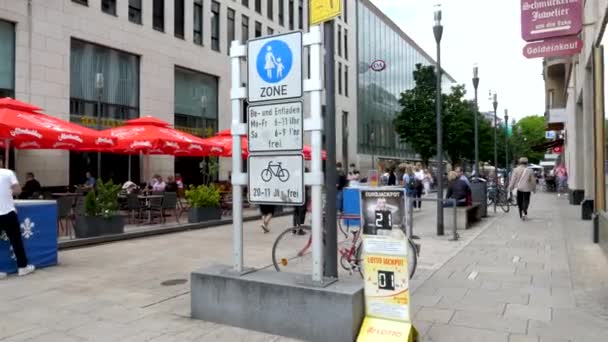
(490, 196)
(343, 230)
(283, 175)
(292, 252)
(503, 201)
(266, 175)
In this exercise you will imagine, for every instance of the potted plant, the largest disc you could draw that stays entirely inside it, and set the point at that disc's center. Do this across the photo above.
(101, 212)
(204, 201)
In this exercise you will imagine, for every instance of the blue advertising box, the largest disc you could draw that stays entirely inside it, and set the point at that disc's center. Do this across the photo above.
(38, 222)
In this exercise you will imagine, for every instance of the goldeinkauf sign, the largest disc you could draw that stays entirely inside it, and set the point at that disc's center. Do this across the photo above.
(564, 46)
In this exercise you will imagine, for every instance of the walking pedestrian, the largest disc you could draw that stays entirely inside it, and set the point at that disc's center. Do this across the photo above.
(392, 178)
(299, 213)
(524, 182)
(9, 222)
(267, 211)
(419, 177)
(561, 174)
(341, 183)
(427, 181)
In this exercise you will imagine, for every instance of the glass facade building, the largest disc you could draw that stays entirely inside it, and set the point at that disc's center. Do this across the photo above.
(378, 91)
(7, 56)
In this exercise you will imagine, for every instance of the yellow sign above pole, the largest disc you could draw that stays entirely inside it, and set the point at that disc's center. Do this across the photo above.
(324, 10)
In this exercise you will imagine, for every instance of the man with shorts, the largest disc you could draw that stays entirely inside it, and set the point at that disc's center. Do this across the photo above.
(9, 223)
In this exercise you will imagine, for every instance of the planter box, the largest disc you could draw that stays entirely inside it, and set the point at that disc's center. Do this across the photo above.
(196, 215)
(91, 226)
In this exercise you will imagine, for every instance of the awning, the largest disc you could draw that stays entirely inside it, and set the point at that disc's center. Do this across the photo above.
(548, 145)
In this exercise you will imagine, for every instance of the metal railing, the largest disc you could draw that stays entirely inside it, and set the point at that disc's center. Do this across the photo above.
(410, 217)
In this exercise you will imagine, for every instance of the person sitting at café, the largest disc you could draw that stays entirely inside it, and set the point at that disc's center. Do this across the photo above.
(130, 187)
(90, 181)
(158, 184)
(171, 185)
(31, 187)
(458, 189)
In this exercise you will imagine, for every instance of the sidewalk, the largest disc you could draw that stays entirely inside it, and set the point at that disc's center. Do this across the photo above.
(540, 280)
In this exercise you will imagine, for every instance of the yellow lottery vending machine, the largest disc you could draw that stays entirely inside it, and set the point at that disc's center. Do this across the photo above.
(385, 267)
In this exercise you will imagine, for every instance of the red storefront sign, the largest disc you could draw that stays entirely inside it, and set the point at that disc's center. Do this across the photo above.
(542, 19)
(563, 46)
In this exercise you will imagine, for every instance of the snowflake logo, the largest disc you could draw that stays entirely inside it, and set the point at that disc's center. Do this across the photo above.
(27, 227)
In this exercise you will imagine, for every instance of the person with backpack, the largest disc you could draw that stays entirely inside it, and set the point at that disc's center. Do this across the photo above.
(524, 181)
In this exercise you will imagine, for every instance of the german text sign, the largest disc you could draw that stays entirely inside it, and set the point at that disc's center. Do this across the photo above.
(276, 127)
(274, 67)
(555, 47)
(324, 10)
(276, 179)
(541, 19)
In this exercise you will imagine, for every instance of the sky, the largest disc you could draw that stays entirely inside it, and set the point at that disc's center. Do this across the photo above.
(482, 32)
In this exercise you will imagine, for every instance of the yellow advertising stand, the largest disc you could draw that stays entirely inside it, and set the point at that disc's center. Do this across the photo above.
(387, 297)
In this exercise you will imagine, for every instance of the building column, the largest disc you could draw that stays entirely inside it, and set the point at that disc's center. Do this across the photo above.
(588, 143)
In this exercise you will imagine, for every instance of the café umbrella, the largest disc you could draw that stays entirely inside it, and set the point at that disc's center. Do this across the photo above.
(23, 126)
(151, 136)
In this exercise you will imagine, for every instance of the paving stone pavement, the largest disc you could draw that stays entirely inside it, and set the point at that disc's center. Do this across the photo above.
(504, 280)
(539, 280)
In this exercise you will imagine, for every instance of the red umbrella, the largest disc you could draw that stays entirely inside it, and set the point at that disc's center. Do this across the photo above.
(25, 128)
(150, 135)
(224, 138)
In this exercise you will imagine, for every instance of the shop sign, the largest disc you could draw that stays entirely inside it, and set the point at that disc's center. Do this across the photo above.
(556, 47)
(542, 19)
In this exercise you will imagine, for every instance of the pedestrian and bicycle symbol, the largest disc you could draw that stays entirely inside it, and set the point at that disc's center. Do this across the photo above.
(275, 169)
(274, 67)
(274, 61)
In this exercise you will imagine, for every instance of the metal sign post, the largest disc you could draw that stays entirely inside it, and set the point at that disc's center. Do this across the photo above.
(239, 179)
(314, 124)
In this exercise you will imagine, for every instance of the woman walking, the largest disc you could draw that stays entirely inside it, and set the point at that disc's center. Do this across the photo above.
(267, 212)
(524, 181)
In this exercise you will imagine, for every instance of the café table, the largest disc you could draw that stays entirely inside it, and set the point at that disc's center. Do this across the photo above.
(146, 199)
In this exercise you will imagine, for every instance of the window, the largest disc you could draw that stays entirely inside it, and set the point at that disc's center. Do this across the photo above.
(108, 6)
(135, 11)
(281, 13)
(258, 6)
(158, 15)
(339, 40)
(215, 25)
(82, 2)
(245, 28)
(258, 29)
(7, 56)
(198, 22)
(179, 18)
(120, 98)
(345, 44)
(270, 9)
(300, 15)
(291, 15)
(231, 28)
(345, 80)
(270, 31)
(245, 3)
(339, 78)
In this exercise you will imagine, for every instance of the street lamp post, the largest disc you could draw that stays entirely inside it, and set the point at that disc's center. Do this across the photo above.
(495, 104)
(99, 88)
(475, 85)
(506, 143)
(438, 32)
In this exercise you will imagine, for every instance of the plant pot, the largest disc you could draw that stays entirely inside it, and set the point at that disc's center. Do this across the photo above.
(204, 214)
(91, 226)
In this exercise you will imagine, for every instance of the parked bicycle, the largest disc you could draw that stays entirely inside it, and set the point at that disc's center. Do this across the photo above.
(291, 251)
(276, 170)
(500, 195)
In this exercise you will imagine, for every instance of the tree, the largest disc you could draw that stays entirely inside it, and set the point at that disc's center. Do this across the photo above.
(527, 132)
(458, 126)
(415, 124)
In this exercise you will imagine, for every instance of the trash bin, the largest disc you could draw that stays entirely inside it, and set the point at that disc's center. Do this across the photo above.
(480, 194)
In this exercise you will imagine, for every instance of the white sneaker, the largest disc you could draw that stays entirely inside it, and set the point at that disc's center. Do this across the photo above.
(26, 270)
(3, 275)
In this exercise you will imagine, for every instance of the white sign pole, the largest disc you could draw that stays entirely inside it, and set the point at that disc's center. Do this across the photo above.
(314, 124)
(238, 128)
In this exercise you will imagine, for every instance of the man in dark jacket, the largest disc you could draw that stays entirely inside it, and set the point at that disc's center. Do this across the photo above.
(458, 189)
(31, 187)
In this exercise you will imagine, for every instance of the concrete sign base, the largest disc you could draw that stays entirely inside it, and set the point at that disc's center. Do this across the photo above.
(277, 303)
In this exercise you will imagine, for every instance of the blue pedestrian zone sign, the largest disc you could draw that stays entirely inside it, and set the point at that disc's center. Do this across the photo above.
(274, 67)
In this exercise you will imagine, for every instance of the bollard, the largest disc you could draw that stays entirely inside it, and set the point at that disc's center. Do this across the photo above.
(454, 226)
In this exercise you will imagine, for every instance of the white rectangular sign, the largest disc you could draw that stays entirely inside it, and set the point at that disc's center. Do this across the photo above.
(551, 156)
(550, 135)
(274, 67)
(277, 179)
(276, 127)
